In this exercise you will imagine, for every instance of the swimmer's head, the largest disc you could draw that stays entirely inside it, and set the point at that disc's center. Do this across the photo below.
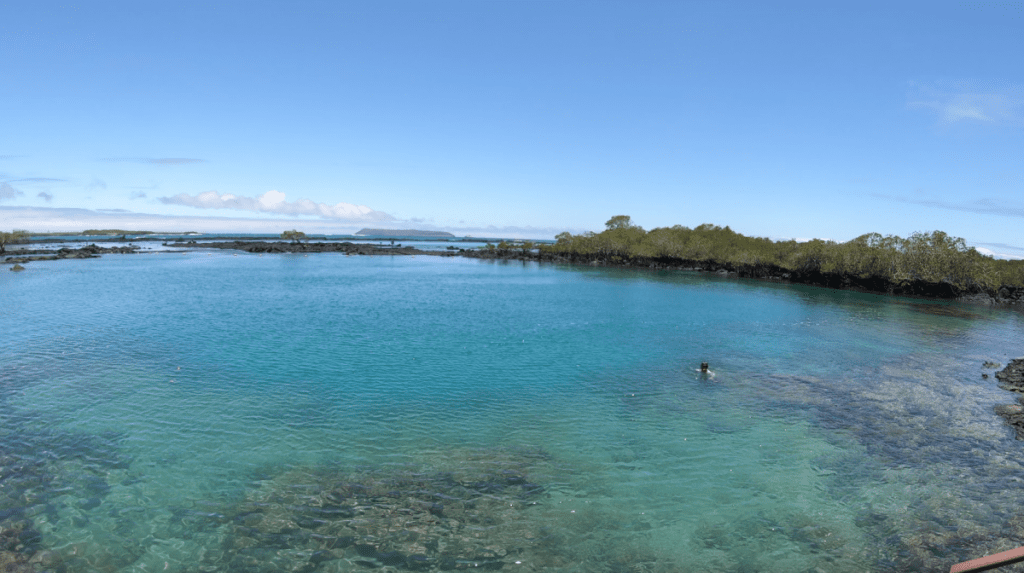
(703, 366)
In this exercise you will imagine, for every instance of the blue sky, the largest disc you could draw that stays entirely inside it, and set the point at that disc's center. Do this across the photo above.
(515, 118)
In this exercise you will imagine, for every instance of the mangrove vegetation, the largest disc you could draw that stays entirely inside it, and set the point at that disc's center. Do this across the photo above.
(931, 264)
(12, 238)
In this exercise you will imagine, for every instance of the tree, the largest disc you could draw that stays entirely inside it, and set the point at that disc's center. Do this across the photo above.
(13, 237)
(618, 222)
(883, 260)
(293, 235)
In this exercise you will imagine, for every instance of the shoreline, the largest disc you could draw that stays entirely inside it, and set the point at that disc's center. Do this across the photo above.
(1011, 379)
(258, 238)
(17, 257)
(1007, 297)
(347, 247)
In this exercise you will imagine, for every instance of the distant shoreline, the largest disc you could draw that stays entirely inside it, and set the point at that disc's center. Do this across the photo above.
(278, 247)
(1006, 296)
(18, 256)
(403, 233)
(181, 237)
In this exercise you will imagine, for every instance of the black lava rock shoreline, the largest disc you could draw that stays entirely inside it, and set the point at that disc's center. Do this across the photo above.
(1012, 378)
(86, 252)
(346, 247)
(1004, 296)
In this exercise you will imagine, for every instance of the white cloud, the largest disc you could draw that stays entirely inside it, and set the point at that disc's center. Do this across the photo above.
(798, 239)
(8, 192)
(994, 254)
(271, 198)
(963, 108)
(46, 219)
(39, 179)
(966, 101)
(983, 206)
(274, 202)
(493, 231)
(1004, 250)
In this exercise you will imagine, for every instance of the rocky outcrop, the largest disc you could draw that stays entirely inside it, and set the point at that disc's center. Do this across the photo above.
(1012, 378)
(1003, 296)
(86, 252)
(1014, 416)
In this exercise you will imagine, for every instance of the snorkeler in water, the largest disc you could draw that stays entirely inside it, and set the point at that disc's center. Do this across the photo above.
(705, 373)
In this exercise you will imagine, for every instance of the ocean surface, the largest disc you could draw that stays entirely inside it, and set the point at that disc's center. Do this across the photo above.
(211, 412)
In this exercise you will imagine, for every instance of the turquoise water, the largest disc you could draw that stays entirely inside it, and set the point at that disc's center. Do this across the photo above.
(211, 412)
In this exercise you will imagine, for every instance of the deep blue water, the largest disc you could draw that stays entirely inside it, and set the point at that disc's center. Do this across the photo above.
(211, 412)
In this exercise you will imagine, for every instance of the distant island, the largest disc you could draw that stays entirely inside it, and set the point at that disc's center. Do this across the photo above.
(401, 233)
(112, 232)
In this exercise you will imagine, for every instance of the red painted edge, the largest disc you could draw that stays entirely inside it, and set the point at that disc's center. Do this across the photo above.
(989, 562)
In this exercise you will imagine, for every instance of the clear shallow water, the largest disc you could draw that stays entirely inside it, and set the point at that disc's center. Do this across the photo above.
(337, 413)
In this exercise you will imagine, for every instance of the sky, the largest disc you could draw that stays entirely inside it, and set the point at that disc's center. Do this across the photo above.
(515, 118)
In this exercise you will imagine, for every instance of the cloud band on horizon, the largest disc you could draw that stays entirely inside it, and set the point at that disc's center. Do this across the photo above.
(49, 219)
(274, 202)
(983, 206)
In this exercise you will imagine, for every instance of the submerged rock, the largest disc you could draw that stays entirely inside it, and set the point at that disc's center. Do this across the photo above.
(11, 562)
(468, 513)
(1012, 377)
(1014, 415)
